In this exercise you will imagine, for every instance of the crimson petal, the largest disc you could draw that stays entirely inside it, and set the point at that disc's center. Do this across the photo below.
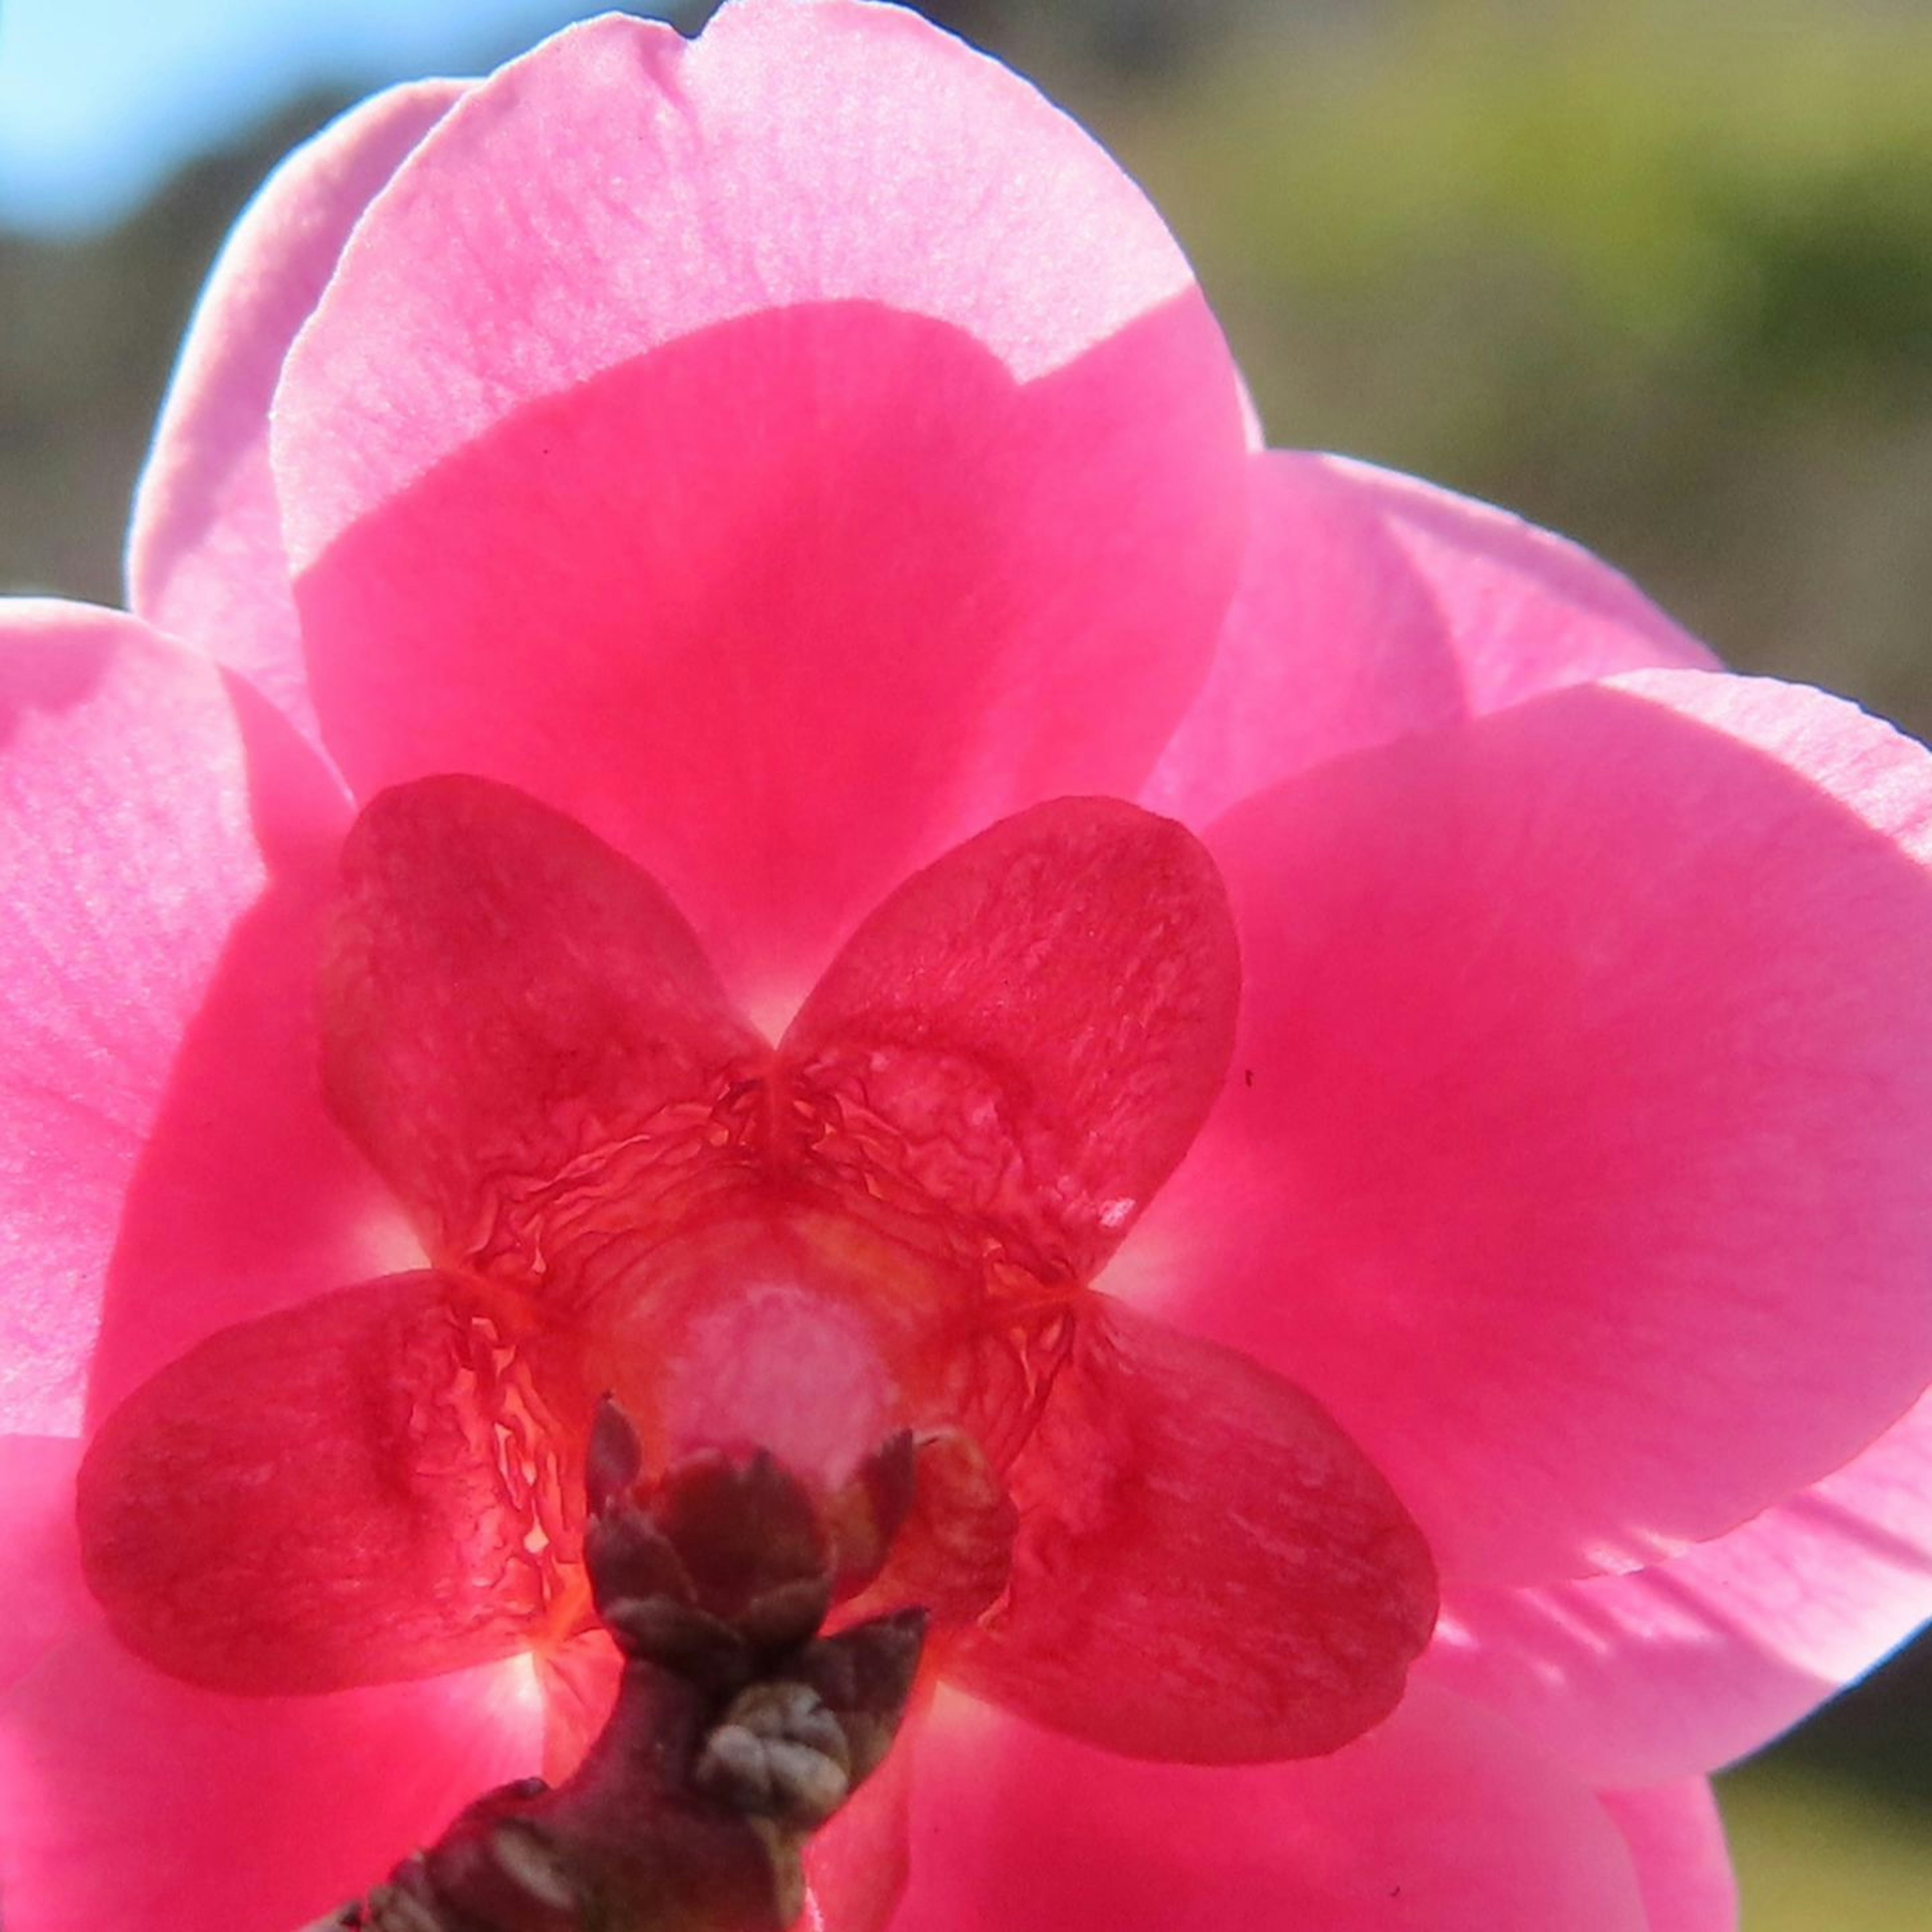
(352, 1491)
(1027, 1033)
(520, 1031)
(1208, 1569)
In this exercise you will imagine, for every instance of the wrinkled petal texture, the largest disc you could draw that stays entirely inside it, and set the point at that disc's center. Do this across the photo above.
(1442, 1818)
(155, 830)
(794, 547)
(204, 555)
(1372, 605)
(1572, 1158)
(1699, 1660)
(372, 1486)
(1030, 1032)
(1208, 1570)
(522, 1034)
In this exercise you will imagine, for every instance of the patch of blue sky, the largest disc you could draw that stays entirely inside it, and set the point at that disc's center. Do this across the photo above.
(101, 99)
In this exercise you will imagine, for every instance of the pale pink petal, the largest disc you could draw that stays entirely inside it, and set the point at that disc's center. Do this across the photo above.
(152, 835)
(521, 1033)
(132, 1800)
(1676, 1841)
(1028, 1034)
(1371, 605)
(43, 1596)
(1699, 1660)
(797, 451)
(205, 558)
(837, 152)
(376, 1484)
(1442, 1819)
(1207, 1570)
(1574, 1154)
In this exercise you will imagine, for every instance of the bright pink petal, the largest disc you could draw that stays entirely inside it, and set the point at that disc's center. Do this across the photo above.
(364, 1488)
(1575, 1157)
(154, 835)
(1372, 605)
(1442, 1819)
(1676, 1841)
(134, 1800)
(43, 1597)
(1208, 1570)
(1699, 1660)
(857, 1866)
(522, 1034)
(1028, 1033)
(785, 440)
(205, 558)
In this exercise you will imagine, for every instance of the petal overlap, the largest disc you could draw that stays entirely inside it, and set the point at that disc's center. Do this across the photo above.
(206, 561)
(1697, 1661)
(1442, 1815)
(150, 814)
(1577, 1112)
(1452, 609)
(788, 571)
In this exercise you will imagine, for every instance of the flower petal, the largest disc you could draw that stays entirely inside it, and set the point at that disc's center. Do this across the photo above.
(363, 1488)
(856, 1868)
(1576, 1161)
(1029, 1033)
(1372, 605)
(134, 1800)
(151, 819)
(1208, 1570)
(788, 569)
(43, 1597)
(791, 155)
(522, 1034)
(1441, 1818)
(205, 558)
(1676, 1841)
(1699, 1660)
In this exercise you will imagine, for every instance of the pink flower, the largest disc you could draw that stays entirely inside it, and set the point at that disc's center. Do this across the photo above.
(766, 467)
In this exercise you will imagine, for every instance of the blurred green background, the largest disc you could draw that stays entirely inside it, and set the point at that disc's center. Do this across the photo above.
(1659, 275)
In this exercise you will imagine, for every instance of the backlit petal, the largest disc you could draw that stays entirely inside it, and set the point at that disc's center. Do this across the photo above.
(1373, 604)
(374, 1485)
(157, 831)
(1442, 1818)
(1695, 1662)
(42, 1597)
(1676, 1841)
(132, 1800)
(205, 557)
(1574, 1155)
(1208, 1569)
(786, 439)
(522, 1034)
(1029, 1033)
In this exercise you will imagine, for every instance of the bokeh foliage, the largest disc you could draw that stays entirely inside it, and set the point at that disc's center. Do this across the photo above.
(1657, 272)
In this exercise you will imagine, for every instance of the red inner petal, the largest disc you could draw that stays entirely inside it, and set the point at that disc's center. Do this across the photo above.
(523, 1035)
(1208, 1569)
(1027, 1034)
(372, 1486)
